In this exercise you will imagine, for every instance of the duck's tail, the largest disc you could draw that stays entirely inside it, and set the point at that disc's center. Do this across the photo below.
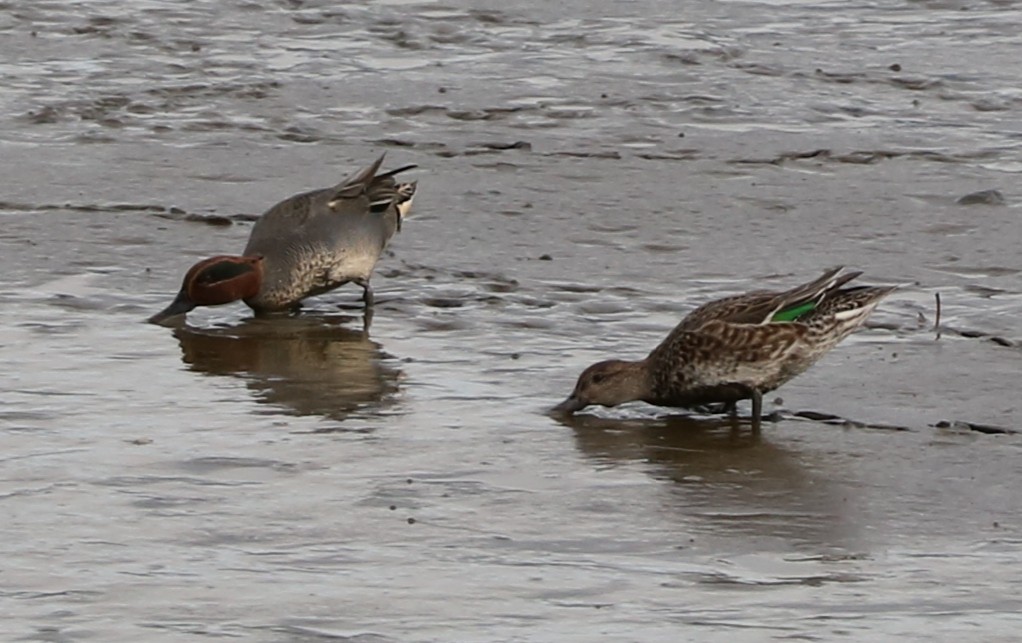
(853, 304)
(381, 189)
(403, 202)
(842, 312)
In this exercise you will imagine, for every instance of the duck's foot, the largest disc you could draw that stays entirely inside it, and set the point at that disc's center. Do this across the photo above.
(731, 408)
(757, 410)
(367, 292)
(367, 319)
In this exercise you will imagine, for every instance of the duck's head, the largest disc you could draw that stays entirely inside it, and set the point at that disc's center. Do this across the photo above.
(215, 281)
(607, 383)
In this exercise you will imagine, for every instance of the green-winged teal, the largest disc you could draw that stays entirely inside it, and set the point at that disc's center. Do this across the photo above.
(735, 348)
(304, 246)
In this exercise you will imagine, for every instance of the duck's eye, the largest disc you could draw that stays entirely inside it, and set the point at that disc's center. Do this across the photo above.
(598, 377)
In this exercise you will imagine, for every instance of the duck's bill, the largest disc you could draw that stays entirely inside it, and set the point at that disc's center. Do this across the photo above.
(181, 305)
(570, 405)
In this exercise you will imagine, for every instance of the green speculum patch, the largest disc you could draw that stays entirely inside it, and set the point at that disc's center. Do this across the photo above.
(793, 313)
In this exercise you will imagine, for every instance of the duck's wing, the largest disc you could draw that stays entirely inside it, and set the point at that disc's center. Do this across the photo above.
(295, 211)
(357, 184)
(747, 308)
(363, 192)
(764, 307)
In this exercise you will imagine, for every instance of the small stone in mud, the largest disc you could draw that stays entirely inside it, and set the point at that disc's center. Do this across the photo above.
(393, 507)
(211, 219)
(409, 481)
(441, 90)
(996, 524)
(545, 258)
(895, 67)
(515, 355)
(983, 197)
(196, 46)
(411, 521)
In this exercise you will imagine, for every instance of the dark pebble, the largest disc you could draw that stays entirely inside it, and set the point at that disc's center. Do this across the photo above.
(983, 197)
(895, 67)
(411, 521)
(545, 258)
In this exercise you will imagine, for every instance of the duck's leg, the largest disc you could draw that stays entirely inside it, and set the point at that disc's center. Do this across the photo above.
(757, 410)
(731, 408)
(367, 292)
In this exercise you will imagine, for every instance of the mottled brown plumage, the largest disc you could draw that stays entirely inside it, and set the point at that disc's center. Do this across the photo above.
(735, 348)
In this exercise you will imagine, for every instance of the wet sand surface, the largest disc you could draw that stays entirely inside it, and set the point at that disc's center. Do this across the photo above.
(588, 174)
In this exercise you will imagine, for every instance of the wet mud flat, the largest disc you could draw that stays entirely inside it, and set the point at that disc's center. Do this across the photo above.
(587, 176)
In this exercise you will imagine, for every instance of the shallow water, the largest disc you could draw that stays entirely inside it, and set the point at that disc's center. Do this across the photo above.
(587, 175)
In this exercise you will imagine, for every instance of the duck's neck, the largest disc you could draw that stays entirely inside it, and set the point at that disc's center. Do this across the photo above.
(636, 381)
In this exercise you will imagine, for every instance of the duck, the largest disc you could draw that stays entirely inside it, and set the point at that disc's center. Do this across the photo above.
(304, 246)
(735, 348)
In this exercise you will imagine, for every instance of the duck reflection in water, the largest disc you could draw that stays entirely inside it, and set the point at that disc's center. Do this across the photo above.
(308, 365)
(728, 482)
